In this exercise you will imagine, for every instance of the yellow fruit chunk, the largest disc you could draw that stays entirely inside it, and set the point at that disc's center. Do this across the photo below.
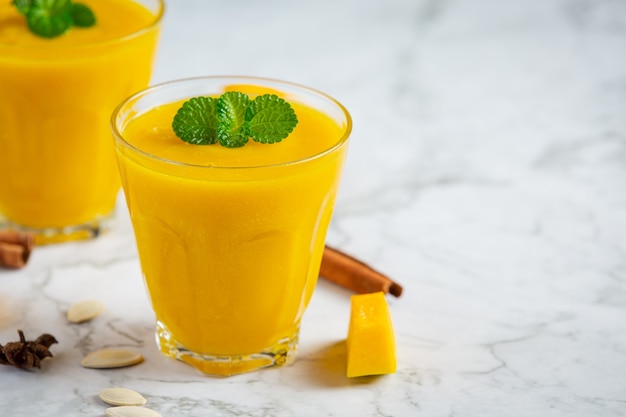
(371, 345)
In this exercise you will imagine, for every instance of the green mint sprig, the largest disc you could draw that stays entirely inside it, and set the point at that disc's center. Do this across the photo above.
(233, 118)
(52, 18)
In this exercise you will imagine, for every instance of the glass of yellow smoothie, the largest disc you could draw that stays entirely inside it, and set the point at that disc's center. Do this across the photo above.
(230, 240)
(58, 174)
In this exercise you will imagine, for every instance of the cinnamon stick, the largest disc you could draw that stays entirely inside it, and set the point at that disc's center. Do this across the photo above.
(355, 275)
(15, 248)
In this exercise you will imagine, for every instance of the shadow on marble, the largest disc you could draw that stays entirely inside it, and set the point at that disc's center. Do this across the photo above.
(326, 367)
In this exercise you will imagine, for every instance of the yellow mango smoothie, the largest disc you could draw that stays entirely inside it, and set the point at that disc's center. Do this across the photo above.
(58, 171)
(230, 239)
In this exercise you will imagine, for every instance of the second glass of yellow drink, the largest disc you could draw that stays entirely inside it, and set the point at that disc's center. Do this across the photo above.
(58, 175)
(230, 239)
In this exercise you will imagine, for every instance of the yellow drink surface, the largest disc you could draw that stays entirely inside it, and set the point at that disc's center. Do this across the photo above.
(231, 255)
(57, 163)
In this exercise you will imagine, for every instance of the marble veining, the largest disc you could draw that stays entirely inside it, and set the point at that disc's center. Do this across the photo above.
(486, 173)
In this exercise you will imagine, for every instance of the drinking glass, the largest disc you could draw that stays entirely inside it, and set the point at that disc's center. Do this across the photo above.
(230, 251)
(58, 174)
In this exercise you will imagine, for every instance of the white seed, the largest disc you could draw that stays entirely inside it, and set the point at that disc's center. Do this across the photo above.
(121, 396)
(130, 411)
(111, 358)
(84, 310)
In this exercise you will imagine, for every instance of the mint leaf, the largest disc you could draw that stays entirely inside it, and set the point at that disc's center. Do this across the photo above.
(196, 121)
(232, 130)
(271, 119)
(52, 18)
(49, 18)
(82, 15)
(233, 118)
(22, 5)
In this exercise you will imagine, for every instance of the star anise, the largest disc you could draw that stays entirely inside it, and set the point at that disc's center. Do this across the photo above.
(27, 353)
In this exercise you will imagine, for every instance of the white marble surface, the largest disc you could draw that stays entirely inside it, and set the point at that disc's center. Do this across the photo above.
(487, 174)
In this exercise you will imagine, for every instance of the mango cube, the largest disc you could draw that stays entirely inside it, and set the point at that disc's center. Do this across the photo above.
(371, 345)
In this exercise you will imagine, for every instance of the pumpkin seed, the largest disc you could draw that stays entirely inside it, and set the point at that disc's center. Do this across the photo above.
(121, 396)
(111, 358)
(84, 311)
(130, 411)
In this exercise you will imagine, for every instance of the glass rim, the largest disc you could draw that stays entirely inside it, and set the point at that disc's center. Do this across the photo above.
(158, 17)
(119, 137)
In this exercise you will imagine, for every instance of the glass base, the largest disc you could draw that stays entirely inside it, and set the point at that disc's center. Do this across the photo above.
(282, 353)
(49, 235)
